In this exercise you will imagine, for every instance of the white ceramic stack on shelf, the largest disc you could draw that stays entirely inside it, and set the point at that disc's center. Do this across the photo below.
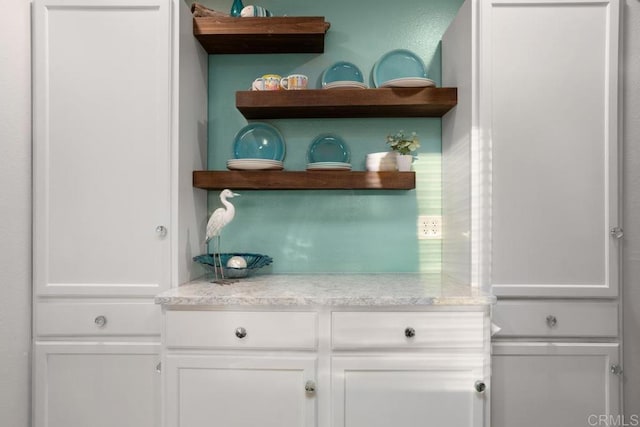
(334, 166)
(381, 162)
(254, 164)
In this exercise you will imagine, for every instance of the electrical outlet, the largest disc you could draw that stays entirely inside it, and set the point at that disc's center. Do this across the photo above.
(429, 227)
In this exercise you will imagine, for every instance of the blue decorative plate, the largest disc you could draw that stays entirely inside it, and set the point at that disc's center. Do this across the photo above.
(397, 64)
(259, 141)
(342, 72)
(328, 148)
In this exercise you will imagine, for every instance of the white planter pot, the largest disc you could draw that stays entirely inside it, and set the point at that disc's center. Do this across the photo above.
(404, 162)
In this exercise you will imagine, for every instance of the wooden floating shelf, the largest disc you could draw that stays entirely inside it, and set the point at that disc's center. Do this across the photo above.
(335, 103)
(301, 180)
(283, 34)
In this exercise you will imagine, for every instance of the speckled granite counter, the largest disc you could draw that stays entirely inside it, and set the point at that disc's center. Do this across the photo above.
(328, 290)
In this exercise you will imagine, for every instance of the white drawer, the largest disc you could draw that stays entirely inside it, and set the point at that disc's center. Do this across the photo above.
(351, 330)
(97, 319)
(556, 319)
(223, 329)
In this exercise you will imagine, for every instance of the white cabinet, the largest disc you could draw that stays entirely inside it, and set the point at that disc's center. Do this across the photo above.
(536, 130)
(550, 77)
(240, 391)
(554, 384)
(102, 146)
(539, 378)
(119, 107)
(530, 198)
(378, 391)
(96, 363)
(96, 384)
(258, 368)
(119, 98)
(407, 368)
(323, 367)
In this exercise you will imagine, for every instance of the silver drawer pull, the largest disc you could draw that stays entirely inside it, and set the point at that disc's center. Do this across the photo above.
(616, 232)
(615, 369)
(101, 321)
(480, 386)
(310, 387)
(241, 332)
(161, 231)
(552, 321)
(409, 332)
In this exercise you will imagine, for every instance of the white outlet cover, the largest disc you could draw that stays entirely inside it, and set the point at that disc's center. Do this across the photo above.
(429, 227)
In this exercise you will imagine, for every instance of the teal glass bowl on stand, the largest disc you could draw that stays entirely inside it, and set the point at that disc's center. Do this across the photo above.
(236, 8)
(254, 262)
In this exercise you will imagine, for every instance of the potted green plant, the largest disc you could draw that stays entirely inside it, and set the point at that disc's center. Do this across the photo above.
(403, 145)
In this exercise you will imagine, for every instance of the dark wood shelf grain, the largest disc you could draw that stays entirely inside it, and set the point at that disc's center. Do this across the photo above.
(282, 34)
(335, 103)
(304, 180)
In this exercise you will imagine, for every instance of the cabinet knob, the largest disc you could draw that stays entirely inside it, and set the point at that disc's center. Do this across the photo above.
(159, 367)
(480, 386)
(241, 332)
(616, 369)
(161, 231)
(310, 387)
(616, 232)
(409, 332)
(101, 321)
(552, 321)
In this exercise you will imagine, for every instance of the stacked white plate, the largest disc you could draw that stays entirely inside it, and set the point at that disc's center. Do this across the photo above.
(345, 84)
(332, 166)
(409, 82)
(254, 164)
(385, 161)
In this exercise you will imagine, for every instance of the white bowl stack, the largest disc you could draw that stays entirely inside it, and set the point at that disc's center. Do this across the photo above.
(378, 162)
(254, 164)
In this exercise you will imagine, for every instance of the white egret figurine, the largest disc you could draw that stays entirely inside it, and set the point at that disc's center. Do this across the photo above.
(217, 221)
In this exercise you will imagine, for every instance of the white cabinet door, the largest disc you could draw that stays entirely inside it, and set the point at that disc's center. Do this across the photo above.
(97, 385)
(239, 391)
(102, 134)
(554, 385)
(383, 391)
(548, 106)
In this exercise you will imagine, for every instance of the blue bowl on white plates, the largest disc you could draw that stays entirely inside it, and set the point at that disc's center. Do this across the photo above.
(259, 140)
(400, 65)
(342, 74)
(328, 147)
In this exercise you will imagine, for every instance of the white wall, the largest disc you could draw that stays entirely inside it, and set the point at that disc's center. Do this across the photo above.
(15, 213)
(631, 209)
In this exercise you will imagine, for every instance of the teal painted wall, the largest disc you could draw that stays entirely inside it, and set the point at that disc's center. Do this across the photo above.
(335, 231)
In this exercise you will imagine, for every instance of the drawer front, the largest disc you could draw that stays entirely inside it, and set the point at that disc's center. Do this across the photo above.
(97, 319)
(351, 330)
(556, 319)
(240, 329)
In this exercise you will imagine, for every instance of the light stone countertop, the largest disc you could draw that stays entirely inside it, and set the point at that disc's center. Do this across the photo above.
(338, 289)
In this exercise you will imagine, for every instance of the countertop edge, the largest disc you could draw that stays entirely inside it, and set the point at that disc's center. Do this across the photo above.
(330, 290)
